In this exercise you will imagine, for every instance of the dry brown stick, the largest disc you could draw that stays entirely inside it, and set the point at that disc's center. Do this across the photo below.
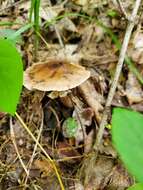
(57, 30)
(122, 9)
(15, 146)
(34, 151)
(42, 149)
(117, 73)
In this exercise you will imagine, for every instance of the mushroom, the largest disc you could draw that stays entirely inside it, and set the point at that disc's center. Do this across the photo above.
(55, 75)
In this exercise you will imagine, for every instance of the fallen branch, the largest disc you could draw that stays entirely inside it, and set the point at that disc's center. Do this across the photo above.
(117, 73)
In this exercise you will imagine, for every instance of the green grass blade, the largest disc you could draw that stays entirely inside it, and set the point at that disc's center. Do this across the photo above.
(20, 31)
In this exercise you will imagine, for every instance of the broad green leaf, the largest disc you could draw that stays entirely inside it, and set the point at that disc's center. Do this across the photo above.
(6, 33)
(70, 127)
(11, 76)
(127, 135)
(138, 186)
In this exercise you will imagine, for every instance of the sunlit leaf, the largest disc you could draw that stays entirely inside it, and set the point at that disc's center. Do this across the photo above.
(11, 76)
(138, 186)
(127, 134)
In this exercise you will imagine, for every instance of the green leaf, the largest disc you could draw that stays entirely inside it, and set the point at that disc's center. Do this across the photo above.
(138, 186)
(70, 127)
(112, 13)
(17, 34)
(127, 135)
(11, 76)
(5, 33)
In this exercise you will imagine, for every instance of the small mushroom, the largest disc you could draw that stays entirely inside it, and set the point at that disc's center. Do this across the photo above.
(55, 75)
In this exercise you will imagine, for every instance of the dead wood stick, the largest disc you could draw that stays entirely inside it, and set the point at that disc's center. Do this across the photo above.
(122, 9)
(119, 66)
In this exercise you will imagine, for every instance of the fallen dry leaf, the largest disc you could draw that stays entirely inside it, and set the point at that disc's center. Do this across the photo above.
(136, 55)
(55, 75)
(66, 101)
(133, 89)
(45, 167)
(84, 118)
(135, 50)
(66, 24)
(88, 142)
(79, 186)
(67, 153)
(55, 50)
(2, 114)
(94, 173)
(92, 97)
(80, 2)
(118, 179)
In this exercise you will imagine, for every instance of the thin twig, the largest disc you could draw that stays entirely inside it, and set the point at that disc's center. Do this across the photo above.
(123, 9)
(42, 149)
(34, 151)
(56, 29)
(117, 74)
(15, 146)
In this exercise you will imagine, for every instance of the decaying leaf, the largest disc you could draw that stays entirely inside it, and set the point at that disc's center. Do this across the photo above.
(88, 142)
(92, 97)
(133, 89)
(136, 47)
(67, 24)
(66, 101)
(56, 94)
(67, 153)
(119, 178)
(55, 75)
(45, 12)
(55, 50)
(2, 114)
(103, 174)
(84, 117)
(137, 55)
(79, 186)
(81, 2)
(45, 167)
(95, 172)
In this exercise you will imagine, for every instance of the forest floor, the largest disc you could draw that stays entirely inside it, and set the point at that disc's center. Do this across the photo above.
(64, 113)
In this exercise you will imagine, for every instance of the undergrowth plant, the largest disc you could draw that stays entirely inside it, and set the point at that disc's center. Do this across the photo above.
(127, 135)
(11, 68)
(11, 76)
(34, 11)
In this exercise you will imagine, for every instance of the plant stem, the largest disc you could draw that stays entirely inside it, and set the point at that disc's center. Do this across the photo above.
(36, 27)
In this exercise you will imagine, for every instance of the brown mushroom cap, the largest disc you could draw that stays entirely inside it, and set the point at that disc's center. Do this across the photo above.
(54, 75)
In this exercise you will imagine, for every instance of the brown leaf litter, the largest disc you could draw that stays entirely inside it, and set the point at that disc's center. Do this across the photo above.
(86, 65)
